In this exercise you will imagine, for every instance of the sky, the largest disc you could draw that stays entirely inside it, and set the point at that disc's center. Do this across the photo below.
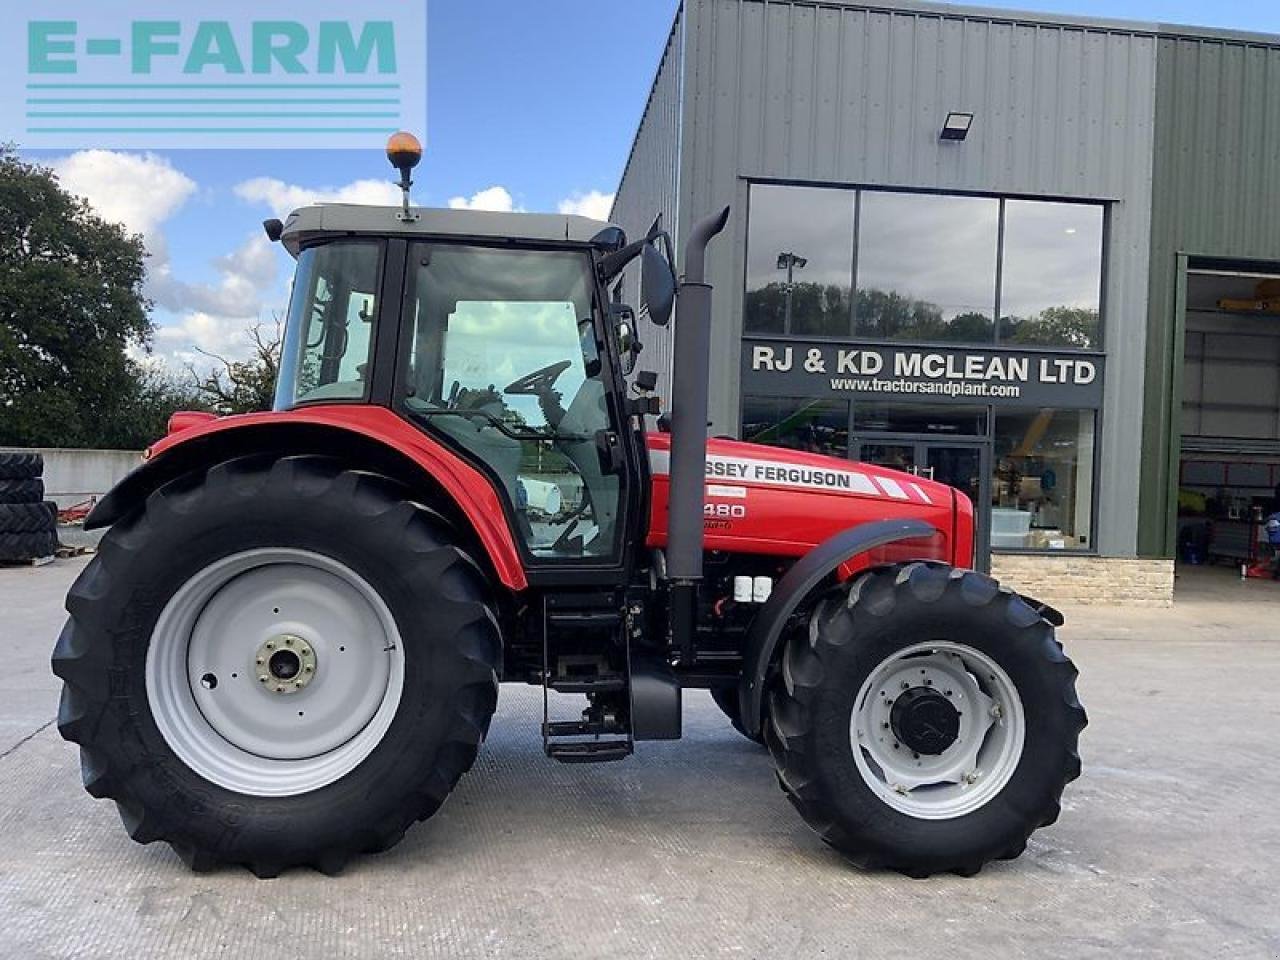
(531, 105)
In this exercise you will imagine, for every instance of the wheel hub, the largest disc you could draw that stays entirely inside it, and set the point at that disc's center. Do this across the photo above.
(234, 671)
(937, 729)
(925, 721)
(285, 664)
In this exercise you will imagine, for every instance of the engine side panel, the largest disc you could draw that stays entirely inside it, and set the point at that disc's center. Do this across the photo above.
(766, 500)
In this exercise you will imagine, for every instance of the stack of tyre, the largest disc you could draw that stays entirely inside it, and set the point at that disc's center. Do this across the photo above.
(28, 522)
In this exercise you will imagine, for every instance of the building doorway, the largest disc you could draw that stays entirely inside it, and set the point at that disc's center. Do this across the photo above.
(1228, 477)
(963, 465)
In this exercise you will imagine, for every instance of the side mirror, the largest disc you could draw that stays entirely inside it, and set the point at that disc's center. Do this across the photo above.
(624, 329)
(657, 285)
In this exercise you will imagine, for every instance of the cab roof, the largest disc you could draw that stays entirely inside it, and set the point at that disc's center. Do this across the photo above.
(335, 219)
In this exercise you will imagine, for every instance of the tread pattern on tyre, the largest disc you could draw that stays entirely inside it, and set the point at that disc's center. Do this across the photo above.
(20, 466)
(24, 490)
(28, 517)
(834, 625)
(93, 714)
(21, 547)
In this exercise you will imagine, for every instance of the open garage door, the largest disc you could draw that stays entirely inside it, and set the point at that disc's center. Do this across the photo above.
(1229, 478)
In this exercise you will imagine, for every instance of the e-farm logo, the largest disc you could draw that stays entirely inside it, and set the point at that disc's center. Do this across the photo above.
(234, 74)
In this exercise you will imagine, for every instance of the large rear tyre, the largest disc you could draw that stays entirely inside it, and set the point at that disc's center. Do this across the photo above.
(726, 699)
(26, 490)
(926, 722)
(28, 517)
(20, 466)
(277, 663)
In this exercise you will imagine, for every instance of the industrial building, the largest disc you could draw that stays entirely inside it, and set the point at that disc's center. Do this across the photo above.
(1034, 256)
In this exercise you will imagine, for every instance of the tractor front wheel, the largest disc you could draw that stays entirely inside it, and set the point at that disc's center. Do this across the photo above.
(927, 720)
(277, 663)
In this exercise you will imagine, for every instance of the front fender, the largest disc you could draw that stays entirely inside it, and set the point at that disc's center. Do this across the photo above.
(370, 437)
(796, 584)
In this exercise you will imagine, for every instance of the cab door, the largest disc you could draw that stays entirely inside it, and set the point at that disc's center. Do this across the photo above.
(503, 358)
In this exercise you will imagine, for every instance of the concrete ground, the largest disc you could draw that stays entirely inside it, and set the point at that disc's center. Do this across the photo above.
(1168, 845)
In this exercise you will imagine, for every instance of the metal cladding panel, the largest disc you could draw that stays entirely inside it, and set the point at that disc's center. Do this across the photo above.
(1216, 181)
(849, 94)
(651, 185)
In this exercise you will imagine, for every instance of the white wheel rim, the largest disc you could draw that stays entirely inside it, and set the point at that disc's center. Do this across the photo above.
(274, 672)
(987, 745)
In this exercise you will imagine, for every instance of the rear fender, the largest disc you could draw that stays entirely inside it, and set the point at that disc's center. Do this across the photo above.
(798, 583)
(371, 438)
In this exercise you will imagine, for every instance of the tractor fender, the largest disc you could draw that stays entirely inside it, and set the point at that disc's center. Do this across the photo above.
(796, 584)
(369, 436)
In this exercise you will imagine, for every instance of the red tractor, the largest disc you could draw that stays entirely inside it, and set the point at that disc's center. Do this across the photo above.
(288, 647)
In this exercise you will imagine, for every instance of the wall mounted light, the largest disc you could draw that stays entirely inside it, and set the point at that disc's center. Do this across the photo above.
(956, 126)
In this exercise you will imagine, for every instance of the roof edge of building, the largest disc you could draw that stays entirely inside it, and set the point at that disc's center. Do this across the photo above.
(1017, 16)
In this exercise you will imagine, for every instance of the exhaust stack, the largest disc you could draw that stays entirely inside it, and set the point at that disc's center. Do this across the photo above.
(689, 391)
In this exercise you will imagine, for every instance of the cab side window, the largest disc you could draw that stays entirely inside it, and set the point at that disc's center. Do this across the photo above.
(504, 363)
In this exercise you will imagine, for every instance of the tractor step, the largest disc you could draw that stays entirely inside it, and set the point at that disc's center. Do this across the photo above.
(588, 684)
(590, 751)
(581, 728)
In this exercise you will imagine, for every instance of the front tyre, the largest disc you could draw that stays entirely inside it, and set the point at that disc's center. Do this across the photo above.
(277, 663)
(926, 721)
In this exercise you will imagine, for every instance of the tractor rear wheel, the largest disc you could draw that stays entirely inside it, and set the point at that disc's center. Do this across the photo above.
(726, 699)
(927, 720)
(277, 663)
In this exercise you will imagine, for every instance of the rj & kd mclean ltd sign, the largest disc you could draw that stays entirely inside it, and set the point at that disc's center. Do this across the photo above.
(160, 74)
(800, 368)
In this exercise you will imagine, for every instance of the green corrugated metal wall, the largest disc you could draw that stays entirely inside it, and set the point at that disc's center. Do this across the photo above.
(1215, 192)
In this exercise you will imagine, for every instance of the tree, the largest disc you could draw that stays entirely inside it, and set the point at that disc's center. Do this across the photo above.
(1055, 326)
(71, 302)
(144, 414)
(244, 386)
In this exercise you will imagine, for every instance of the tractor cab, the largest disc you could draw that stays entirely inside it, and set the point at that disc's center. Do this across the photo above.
(491, 332)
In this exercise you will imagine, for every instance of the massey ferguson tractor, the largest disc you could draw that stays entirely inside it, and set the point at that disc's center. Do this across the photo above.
(290, 643)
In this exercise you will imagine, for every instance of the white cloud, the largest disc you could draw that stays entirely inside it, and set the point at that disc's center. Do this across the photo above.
(141, 191)
(593, 204)
(282, 198)
(493, 198)
(180, 343)
(245, 277)
(144, 192)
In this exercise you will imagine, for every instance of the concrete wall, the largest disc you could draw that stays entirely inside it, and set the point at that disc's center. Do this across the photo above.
(854, 94)
(71, 476)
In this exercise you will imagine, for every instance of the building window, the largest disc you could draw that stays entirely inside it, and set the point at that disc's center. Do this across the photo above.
(1042, 484)
(797, 423)
(929, 268)
(799, 261)
(926, 267)
(920, 418)
(1051, 282)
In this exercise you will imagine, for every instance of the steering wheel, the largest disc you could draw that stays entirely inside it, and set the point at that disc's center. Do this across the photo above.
(539, 382)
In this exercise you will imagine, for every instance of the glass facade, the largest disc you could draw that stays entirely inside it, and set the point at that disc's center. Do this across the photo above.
(799, 261)
(1042, 489)
(1051, 289)
(978, 274)
(926, 267)
(923, 267)
(797, 423)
